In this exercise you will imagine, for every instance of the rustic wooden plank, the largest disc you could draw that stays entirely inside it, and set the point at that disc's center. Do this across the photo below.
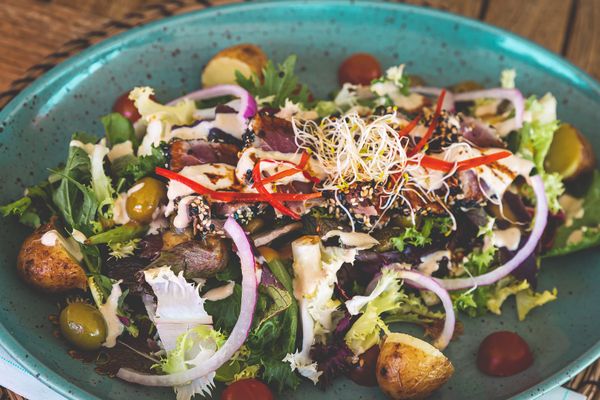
(543, 21)
(30, 31)
(468, 8)
(584, 41)
(113, 9)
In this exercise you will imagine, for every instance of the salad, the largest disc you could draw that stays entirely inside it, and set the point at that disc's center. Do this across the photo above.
(249, 236)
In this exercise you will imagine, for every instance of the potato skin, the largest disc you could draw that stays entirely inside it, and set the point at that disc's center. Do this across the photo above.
(49, 268)
(409, 368)
(569, 143)
(221, 68)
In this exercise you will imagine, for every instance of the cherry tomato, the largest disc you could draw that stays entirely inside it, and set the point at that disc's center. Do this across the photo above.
(126, 108)
(504, 354)
(247, 389)
(359, 69)
(363, 372)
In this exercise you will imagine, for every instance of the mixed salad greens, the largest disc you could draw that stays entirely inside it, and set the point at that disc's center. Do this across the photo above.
(249, 231)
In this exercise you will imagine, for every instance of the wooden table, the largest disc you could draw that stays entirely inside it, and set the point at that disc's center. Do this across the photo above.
(35, 35)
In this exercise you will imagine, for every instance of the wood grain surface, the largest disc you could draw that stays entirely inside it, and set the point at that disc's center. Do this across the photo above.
(35, 35)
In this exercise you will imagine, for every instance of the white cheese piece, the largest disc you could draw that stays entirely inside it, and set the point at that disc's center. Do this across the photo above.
(431, 262)
(509, 238)
(78, 236)
(182, 218)
(53, 238)
(212, 176)
(250, 155)
(220, 293)
(120, 216)
(358, 240)
(120, 150)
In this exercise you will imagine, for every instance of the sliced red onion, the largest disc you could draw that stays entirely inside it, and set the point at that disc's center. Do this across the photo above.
(421, 281)
(247, 103)
(539, 224)
(448, 103)
(513, 95)
(239, 333)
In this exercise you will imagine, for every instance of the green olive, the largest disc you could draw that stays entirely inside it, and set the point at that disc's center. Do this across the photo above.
(83, 325)
(465, 86)
(142, 203)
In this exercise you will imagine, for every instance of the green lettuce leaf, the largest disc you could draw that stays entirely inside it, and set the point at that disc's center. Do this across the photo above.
(528, 299)
(584, 232)
(133, 168)
(385, 297)
(181, 113)
(278, 84)
(420, 236)
(535, 138)
(34, 208)
(118, 129)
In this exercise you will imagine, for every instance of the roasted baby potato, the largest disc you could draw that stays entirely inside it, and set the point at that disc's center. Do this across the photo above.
(49, 268)
(249, 59)
(570, 154)
(409, 368)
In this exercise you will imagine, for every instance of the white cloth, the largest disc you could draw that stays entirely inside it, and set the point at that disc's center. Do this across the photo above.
(17, 379)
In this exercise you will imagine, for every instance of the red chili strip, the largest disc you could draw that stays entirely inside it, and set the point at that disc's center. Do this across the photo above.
(411, 125)
(432, 126)
(232, 196)
(446, 166)
(260, 188)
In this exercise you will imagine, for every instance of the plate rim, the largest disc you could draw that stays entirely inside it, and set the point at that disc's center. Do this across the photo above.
(60, 384)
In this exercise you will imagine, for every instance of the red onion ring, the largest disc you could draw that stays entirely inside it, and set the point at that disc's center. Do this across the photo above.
(239, 333)
(422, 281)
(248, 105)
(539, 224)
(513, 95)
(448, 103)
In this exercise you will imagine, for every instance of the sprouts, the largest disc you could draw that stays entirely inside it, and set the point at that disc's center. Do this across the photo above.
(354, 149)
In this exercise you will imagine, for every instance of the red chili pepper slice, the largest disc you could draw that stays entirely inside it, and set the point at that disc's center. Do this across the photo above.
(260, 188)
(482, 160)
(432, 126)
(232, 196)
(289, 172)
(446, 166)
(411, 125)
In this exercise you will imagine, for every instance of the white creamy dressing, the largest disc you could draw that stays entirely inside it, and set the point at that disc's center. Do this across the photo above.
(87, 147)
(249, 155)
(509, 238)
(78, 236)
(220, 293)
(431, 262)
(157, 132)
(357, 240)
(120, 150)
(109, 311)
(210, 113)
(429, 180)
(182, 218)
(291, 109)
(158, 222)
(212, 176)
(53, 238)
(120, 216)
(153, 137)
(573, 208)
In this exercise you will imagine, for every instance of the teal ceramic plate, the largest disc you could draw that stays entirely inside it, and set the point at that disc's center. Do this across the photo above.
(169, 54)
